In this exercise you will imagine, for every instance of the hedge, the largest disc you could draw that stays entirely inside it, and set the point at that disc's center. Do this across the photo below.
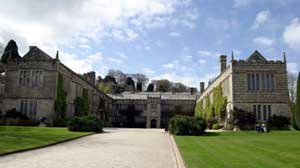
(186, 125)
(85, 124)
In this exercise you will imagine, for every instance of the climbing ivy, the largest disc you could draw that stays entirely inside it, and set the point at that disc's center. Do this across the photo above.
(85, 101)
(199, 109)
(216, 109)
(61, 98)
(219, 103)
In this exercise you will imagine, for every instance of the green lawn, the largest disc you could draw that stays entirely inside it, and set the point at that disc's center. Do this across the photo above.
(277, 149)
(19, 138)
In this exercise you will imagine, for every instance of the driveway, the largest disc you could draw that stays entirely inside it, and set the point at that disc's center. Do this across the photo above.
(117, 148)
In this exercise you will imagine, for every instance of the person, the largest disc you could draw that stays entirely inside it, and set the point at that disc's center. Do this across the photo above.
(264, 128)
(258, 128)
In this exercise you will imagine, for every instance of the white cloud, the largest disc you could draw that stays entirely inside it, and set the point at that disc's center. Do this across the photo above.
(241, 3)
(148, 71)
(263, 41)
(170, 65)
(261, 18)
(174, 34)
(55, 24)
(291, 35)
(293, 68)
(206, 53)
(115, 60)
(95, 57)
(202, 61)
(75, 63)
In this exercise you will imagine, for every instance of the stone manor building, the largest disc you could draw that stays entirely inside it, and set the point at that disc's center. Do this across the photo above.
(30, 85)
(255, 85)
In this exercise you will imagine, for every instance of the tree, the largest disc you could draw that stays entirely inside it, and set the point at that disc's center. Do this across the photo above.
(297, 105)
(179, 87)
(292, 84)
(150, 87)
(139, 86)
(118, 75)
(109, 80)
(140, 78)
(61, 98)
(163, 85)
(105, 88)
(1, 49)
(199, 109)
(10, 51)
(130, 83)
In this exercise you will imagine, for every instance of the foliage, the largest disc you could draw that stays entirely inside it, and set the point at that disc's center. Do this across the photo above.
(105, 88)
(219, 103)
(130, 83)
(21, 138)
(109, 79)
(150, 87)
(216, 126)
(120, 77)
(208, 108)
(85, 124)
(279, 122)
(199, 109)
(297, 106)
(60, 122)
(163, 85)
(139, 86)
(186, 125)
(10, 51)
(61, 98)
(85, 102)
(211, 121)
(13, 113)
(179, 87)
(245, 120)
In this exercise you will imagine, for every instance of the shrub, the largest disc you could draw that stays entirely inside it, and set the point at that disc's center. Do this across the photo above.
(216, 126)
(279, 122)
(60, 122)
(17, 122)
(245, 120)
(186, 125)
(211, 122)
(13, 113)
(85, 124)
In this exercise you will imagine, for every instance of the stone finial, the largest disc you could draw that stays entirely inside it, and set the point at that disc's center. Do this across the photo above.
(57, 55)
(232, 56)
(284, 57)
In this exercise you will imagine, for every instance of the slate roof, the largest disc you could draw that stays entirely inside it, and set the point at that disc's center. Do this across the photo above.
(145, 95)
(35, 53)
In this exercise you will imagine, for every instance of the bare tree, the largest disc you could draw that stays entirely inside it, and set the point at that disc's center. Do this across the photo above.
(118, 75)
(292, 86)
(140, 78)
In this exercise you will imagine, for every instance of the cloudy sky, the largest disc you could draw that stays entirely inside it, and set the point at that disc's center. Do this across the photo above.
(175, 39)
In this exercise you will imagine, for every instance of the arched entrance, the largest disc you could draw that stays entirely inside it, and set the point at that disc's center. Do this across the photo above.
(153, 123)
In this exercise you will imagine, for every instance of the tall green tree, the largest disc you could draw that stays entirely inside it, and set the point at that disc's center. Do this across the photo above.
(10, 51)
(61, 98)
(150, 87)
(297, 106)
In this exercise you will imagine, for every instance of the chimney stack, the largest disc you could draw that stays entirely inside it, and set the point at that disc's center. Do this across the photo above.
(202, 85)
(223, 62)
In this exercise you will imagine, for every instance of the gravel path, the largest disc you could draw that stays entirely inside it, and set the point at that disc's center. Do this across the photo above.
(118, 148)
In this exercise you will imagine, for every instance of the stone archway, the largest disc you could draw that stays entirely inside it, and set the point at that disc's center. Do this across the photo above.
(153, 123)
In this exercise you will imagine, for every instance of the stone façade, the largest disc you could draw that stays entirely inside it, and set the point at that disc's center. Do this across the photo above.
(234, 82)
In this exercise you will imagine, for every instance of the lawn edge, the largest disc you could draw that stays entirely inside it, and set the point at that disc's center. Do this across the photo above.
(179, 161)
(44, 146)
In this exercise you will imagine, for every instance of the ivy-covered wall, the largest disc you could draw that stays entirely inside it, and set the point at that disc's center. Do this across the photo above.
(61, 98)
(215, 109)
